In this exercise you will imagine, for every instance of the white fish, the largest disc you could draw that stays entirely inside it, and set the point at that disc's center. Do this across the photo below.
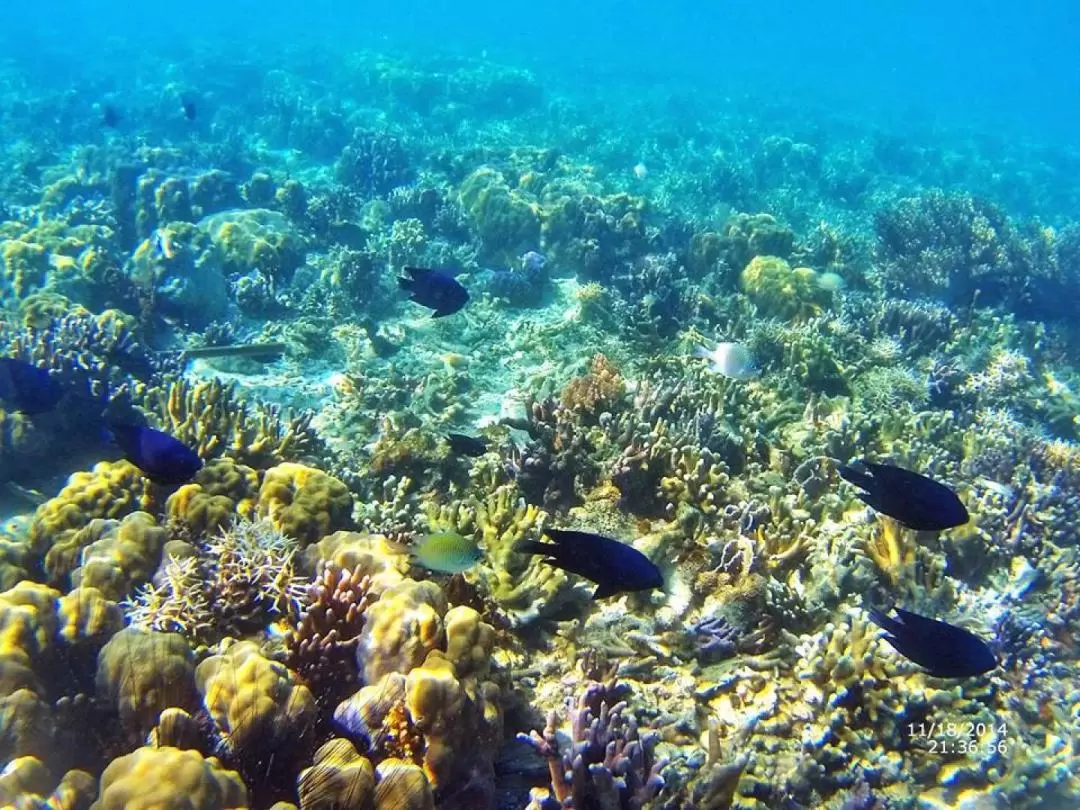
(163, 245)
(732, 360)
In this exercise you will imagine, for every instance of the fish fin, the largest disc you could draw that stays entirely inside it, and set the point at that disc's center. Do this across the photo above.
(535, 547)
(605, 590)
(853, 475)
(440, 313)
(404, 283)
(668, 571)
(561, 536)
(879, 618)
(872, 500)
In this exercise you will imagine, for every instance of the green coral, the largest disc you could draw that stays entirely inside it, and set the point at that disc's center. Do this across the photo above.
(781, 291)
(506, 221)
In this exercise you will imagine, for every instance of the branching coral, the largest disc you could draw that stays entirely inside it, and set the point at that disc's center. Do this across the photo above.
(235, 581)
(322, 647)
(607, 764)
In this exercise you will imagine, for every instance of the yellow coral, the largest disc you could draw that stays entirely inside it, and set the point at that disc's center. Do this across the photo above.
(369, 555)
(110, 490)
(401, 628)
(143, 672)
(402, 786)
(507, 222)
(86, 616)
(469, 642)
(781, 291)
(255, 700)
(169, 779)
(116, 555)
(338, 779)
(306, 504)
(25, 265)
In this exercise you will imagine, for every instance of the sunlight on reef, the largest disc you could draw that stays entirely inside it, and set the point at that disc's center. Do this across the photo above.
(497, 323)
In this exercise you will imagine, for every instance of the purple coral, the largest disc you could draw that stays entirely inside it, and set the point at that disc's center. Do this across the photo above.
(608, 764)
(715, 638)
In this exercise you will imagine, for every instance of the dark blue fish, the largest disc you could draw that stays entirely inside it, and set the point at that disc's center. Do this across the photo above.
(435, 289)
(946, 651)
(615, 567)
(110, 116)
(162, 458)
(911, 499)
(462, 445)
(188, 105)
(27, 388)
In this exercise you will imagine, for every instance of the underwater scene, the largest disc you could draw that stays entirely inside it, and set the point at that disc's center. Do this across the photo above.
(596, 406)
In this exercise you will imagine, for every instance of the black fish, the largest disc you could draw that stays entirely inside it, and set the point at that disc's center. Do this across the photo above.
(615, 567)
(188, 105)
(946, 651)
(110, 116)
(462, 445)
(162, 458)
(27, 388)
(435, 289)
(911, 499)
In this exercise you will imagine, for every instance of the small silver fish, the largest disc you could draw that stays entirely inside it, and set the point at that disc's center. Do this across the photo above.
(447, 552)
(733, 360)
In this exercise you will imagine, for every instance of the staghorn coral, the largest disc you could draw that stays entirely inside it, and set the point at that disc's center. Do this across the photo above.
(211, 418)
(235, 581)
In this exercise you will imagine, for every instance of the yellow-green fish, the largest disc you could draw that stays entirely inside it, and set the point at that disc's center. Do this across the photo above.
(447, 552)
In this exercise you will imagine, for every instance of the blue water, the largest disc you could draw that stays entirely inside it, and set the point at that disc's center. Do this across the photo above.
(954, 311)
(1012, 68)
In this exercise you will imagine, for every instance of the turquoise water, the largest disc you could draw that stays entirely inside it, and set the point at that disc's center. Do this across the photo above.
(691, 263)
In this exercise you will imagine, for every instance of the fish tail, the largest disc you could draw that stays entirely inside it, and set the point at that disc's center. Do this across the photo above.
(404, 283)
(701, 351)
